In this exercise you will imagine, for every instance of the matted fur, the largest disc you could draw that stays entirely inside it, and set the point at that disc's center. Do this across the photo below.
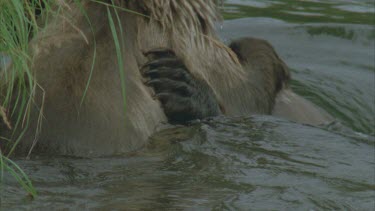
(187, 27)
(63, 54)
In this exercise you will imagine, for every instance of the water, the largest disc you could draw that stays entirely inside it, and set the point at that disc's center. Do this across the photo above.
(247, 163)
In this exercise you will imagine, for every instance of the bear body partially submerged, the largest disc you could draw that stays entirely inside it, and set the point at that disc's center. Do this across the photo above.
(271, 76)
(71, 52)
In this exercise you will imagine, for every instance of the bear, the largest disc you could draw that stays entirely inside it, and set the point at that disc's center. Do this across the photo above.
(272, 75)
(265, 70)
(91, 97)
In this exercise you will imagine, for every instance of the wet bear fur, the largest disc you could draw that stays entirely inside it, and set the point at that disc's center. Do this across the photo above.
(70, 46)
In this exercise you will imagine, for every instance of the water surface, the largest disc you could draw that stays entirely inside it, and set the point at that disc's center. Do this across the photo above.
(247, 163)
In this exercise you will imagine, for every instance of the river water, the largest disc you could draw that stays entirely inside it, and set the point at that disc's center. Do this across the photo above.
(250, 162)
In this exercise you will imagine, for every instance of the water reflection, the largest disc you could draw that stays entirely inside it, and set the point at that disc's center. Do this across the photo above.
(360, 12)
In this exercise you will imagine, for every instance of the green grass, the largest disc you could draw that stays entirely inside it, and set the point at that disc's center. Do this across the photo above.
(17, 85)
(118, 45)
(14, 33)
(17, 173)
(17, 25)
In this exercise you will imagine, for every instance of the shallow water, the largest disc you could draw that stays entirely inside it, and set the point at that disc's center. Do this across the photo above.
(247, 163)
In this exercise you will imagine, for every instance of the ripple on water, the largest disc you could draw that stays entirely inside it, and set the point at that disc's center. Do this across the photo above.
(224, 163)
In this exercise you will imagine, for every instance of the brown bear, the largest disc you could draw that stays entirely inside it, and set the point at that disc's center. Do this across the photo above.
(271, 76)
(93, 101)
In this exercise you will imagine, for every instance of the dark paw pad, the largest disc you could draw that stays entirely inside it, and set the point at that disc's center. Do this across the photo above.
(183, 97)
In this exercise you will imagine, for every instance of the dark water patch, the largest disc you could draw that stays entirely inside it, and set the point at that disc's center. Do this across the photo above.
(371, 35)
(341, 111)
(333, 31)
(301, 12)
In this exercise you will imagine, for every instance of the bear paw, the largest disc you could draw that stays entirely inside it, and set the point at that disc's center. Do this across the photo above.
(183, 97)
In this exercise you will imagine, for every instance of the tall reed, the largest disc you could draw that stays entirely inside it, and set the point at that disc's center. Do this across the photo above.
(18, 24)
